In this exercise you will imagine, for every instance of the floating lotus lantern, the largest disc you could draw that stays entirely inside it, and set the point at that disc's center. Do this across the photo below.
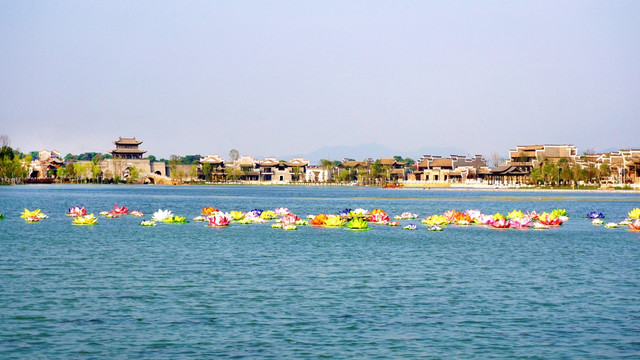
(319, 219)
(550, 219)
(301, 222)
(540, 226)
(333, 221)
(624, 222)
(345, 212)
(282, 211)
(406, 216)
(85, 220)
(289, 227)
(611, 225)
(485, 219)
(104, 213)
(253, 216)
(1, 216)
(219, 220)
(33, 214)
(561, 214)
(501, 223)
(410, 227)
(276, 225)
(200, 218)
(175, 220)
(634, 214)
(148, 223)
(136, 213)
(452, 215)
(393, 223)
(268, 215)
(257, 212)
(161, 215)
(533, 215)
(434, 228)
(597, 221)
(208, 210)
(595, 215)
(634, 225)
(439, 220)
(112, 214)
(77, 211)
(515, 214)
(474, 215)
(289, 219)
(520, 223)
(236, 215)
(357, 224)
(359, 212)
(32, 219)
(120, 210)
(379, 217)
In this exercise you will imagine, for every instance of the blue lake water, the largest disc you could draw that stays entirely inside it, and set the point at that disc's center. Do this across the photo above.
(120, 290)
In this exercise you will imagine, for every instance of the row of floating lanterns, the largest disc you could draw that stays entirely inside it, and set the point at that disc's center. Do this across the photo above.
(352, 219)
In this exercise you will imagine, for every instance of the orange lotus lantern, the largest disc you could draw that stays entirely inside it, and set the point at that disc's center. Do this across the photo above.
(319, 219)
(208, 210)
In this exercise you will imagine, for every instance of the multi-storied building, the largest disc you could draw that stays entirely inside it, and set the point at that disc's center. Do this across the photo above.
(528, 157)
(127, 148)
(455, 168)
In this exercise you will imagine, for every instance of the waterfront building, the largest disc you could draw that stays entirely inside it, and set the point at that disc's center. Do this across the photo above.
(396, 168)
(317, 173)
(217, 164)
(455, 168)
(46, 165)
(528, 157)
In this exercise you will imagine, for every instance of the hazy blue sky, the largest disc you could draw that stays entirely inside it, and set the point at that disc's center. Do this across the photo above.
(283, 77)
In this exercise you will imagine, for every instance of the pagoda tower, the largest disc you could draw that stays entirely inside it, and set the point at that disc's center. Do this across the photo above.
(127, 148)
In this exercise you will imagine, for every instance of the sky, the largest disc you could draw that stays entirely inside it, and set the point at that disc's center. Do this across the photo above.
(290, 77)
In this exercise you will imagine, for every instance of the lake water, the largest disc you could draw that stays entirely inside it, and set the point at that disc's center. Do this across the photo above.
(120, 290)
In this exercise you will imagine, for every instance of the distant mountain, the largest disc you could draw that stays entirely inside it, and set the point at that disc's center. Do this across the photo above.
(371, 150)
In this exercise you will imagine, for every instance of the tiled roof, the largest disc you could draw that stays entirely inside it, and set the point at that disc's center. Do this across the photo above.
(128, 141)
(441, 163)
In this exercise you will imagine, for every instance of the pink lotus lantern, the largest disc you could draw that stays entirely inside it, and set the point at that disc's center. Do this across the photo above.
(533, 215)
(289, 219)
(120, 210)
(501, 223)
(380, 218)
(485, 219)
(282, 211)
(219, 220)
(634, 225)
(77, 211)
(523, 222)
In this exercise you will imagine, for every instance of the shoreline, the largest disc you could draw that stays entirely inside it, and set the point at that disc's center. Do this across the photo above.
(412, 188)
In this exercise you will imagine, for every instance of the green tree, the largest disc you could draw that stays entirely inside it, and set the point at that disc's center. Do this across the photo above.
(96, 171)
(174, 161)
(206, 170)
(134, 174)
(296, 173)
(549, 172)
(605, 170)
(193, 172)
(343, 175)
(70, 170)
(536, 176)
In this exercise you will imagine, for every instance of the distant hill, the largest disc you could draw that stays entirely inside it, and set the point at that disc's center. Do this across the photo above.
(371, 150)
